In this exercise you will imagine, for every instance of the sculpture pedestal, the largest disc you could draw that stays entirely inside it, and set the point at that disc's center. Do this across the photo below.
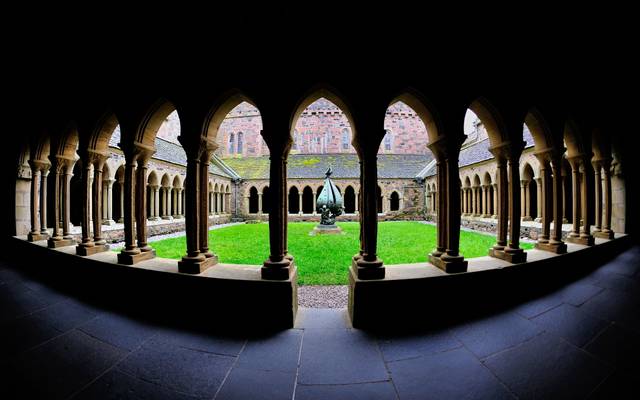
(326, 230)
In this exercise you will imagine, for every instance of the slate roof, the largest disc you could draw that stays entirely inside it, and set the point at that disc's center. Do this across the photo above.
(475, 153)
(309, 166)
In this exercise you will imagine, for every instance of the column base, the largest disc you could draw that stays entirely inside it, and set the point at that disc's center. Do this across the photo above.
(451, 265)
(277, 270)
(557, 248)
(514, 256)
(168, 218)
(537, 219)
(120, 220)
(486, 215)
(604, 234)
(368, 270)
(108, 222)
(195, 266)
(494, 216)
(55, 243)
(526, 219)
(34, 237)
(130, 259)
(583, 240)
(90, 250)
(153, 219)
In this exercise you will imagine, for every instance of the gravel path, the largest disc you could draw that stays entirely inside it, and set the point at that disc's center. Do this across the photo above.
(323, 296)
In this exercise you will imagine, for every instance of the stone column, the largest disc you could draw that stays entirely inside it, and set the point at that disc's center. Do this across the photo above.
(87, 240)
(156, 203)
(607, 233)
(546, 199)
(575, 174)
(278, 266)
(314, 203)
(192, 261)
(211, 259)
(44, 173)
(66, 202)
(447, 254)
(130, 254)
(121, 219)
(34, 234)
(539, 200)
(495, 201)
(485, 203)
(585, 232)
(565, 200)
(180, 203)
(523, 199)
(300, 203)
(556, 243)
(513, 253)
(169, 203)
(368, 265)
(501, 197)
(597, 167)
(357, 205)
(259, 203)
(141, 202)
(98, 164)
(109, 203)
(58, 167)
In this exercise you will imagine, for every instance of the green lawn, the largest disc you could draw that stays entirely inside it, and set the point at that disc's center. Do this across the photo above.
(324, 259)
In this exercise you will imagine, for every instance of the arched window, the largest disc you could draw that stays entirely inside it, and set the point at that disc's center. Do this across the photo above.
(394, 201)
(253, 200)
(240, 142)
(345, 139)
(231, 143)
(387, 141)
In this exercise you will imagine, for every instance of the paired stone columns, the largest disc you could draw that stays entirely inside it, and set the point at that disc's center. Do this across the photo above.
(108, 202)
(279, 265)
(551, 201)
(92, 204)
(507, 157)
(63, 170)
(198, 257)
(539, 198)
(366, 263)
(495, 201)
(135, 205)
(39, 173)
(580, 234)
(485, 202)
(166, 203)
(605, 196)
(447, 255)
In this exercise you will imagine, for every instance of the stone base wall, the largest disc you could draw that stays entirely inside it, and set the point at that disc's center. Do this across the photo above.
(117, 235)
(527, 232)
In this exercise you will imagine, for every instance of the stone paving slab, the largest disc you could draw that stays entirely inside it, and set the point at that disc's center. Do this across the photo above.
(582, 340)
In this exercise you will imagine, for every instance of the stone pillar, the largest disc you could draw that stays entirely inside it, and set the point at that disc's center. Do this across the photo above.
(485, 203)
(585, 231)
(180, 203)
(259, 203)
(367, 265)
(35, 233)
(513, 253)
(575, 174)
(300, 203)
(130, 254)
(192, 261)
(501, 197)
(109, 203)
(551, 202)
(539, 200)
(314, 204)
(87, 240)
(606, 232)
(447, 254)
(121, 219)
(211, 259)
(169, 203)
(66, 202)
(565, 200)
(357, 205)
(495, 201)
(279, 266)
(156, 203)
(58, 164)
(597, 167)
(141, 202)
(44, 173)
(98, 164)
(523, 199)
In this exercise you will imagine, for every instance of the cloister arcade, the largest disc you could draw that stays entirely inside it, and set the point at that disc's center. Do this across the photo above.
(503, 188)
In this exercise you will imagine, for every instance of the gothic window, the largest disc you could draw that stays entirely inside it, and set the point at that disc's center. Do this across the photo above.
(231, 143)
(345, 139)
(239, 142)
(387, 141)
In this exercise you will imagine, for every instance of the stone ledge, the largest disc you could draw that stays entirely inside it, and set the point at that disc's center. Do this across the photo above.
(224, 295)
(412, 295)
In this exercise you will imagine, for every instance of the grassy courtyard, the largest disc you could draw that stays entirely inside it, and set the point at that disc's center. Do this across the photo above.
(324, 259)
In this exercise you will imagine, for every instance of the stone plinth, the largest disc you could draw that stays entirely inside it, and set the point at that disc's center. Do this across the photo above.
(34, 237)
(583, 240)
(326, 230)
(603, 234)
(197, 267)
(451, 267)
(55, 243)
(89, 250)
(558, 248)
(130, 259)
(509, 256)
